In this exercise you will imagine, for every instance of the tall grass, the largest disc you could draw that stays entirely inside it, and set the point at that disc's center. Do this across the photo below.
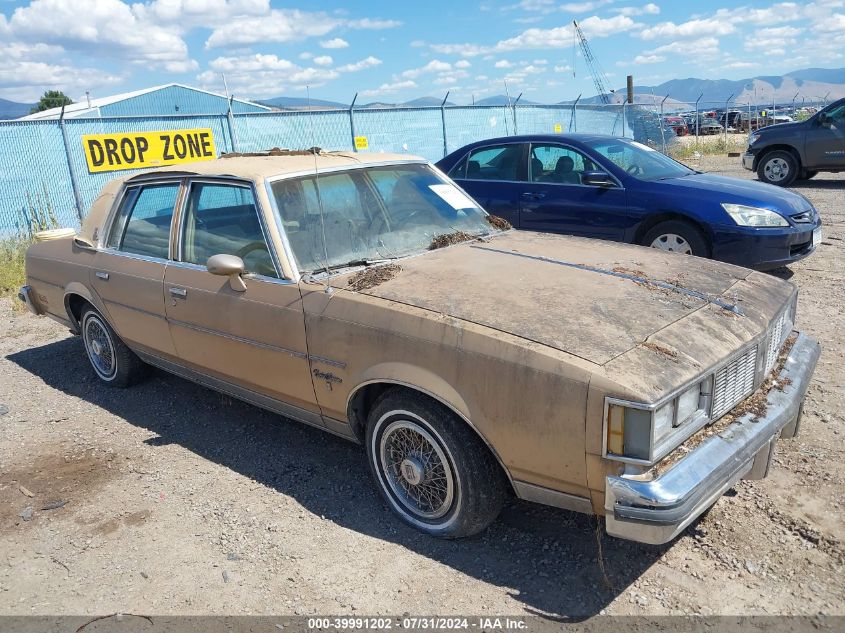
(37, 216)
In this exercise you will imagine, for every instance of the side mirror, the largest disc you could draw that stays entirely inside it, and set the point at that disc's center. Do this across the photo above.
(597, 179)
(230, 266)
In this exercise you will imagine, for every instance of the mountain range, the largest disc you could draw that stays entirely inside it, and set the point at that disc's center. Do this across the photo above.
(809, 84)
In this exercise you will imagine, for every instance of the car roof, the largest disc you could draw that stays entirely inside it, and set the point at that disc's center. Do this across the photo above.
(533, 138)
(261, 165)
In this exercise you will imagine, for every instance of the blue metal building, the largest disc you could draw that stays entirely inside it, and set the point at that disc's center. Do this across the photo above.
(169, 99)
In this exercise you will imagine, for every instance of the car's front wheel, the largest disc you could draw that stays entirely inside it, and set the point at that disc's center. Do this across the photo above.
(114, 363)
(778, 168)
(431, 468)
(676, 236)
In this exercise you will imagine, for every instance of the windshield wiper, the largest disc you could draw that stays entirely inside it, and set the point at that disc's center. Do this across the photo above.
(352, 263)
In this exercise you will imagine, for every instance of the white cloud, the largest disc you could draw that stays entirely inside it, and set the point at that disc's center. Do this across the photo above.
(565, 68)
(105, 28)
(434, 66)
(335, 42)
(205, 13)
(583, 7)
(374, 25)
(263, 75)
(648, 9)
(776, 37)
(646, 59)
(323, 60)
(692, 28)
(462, 63)
(704, 48)
(832, 24)
(742, 65)
(388, 88)
(503, 63)
(306, 55)
(279, 26)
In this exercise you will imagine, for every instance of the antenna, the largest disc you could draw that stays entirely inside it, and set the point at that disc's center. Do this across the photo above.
(315, 150)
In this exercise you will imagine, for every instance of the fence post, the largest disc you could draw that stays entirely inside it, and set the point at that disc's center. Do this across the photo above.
(352, 121)
(573, 124)
(77, 197)
(624, 110)
(443, 121)
(515, 131)
(727, 101)
(663, 125)
(697, 127)
(230, 119)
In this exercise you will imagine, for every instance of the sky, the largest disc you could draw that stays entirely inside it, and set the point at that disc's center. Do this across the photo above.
(395, 50)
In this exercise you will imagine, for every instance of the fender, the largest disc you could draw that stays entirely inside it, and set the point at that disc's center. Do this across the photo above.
(78, 288)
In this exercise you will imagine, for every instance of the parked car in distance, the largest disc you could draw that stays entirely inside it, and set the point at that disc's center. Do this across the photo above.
(677, 124)
(617, 189)
(781, 154)
(367, 295)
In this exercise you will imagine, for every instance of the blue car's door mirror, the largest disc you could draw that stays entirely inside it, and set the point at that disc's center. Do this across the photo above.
(597, 179)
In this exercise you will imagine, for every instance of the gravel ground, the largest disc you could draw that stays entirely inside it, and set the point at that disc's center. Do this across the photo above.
(179, 500)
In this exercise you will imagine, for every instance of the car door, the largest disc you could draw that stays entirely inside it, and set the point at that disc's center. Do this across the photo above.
(556, 200)
(494, 175)
(254, 340)
(824, 143)
(128, 272)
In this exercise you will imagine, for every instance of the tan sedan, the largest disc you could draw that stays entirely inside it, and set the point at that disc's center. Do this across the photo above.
(369, 296)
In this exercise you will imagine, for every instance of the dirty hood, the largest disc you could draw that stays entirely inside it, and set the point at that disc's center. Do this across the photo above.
(509, 284)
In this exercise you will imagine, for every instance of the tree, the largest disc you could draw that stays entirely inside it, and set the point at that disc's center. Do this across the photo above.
(51, 99)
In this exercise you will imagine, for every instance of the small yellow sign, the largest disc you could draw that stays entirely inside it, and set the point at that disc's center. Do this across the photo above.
(558, 128)
(361, 142)
(112, 152)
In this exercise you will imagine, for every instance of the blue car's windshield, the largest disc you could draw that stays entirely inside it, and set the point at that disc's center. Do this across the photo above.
(639, 160)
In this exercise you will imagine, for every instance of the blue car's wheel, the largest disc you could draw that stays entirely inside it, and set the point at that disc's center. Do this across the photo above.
(676, 236)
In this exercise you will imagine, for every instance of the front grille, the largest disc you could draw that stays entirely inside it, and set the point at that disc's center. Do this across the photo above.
(775, 340)
(796, 249)
(733, 382)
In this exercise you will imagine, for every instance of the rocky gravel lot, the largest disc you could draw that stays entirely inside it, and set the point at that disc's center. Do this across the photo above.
(169, 498)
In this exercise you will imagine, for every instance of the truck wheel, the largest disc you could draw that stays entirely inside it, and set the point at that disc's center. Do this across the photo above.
(114, 363)
(433, 470)
(777, 168)
(676, 236)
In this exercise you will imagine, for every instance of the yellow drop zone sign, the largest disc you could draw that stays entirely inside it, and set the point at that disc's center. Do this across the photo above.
(111, 152)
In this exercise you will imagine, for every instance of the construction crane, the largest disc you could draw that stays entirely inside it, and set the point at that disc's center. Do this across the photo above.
(599, 78)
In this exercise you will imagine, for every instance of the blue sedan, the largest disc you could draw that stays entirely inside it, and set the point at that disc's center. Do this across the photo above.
(617, 189)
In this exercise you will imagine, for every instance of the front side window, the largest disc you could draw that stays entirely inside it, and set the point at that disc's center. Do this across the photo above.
(640, 161)
(371, 214)
(223, 219)
(558, 164)
(142, 226)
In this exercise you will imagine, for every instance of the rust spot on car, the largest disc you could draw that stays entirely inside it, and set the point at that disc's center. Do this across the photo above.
(274, 151)
(373, 276)
(499, 223)
(661, 349)
(447, 239)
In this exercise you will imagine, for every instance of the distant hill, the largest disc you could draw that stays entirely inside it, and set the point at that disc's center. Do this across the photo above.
(810, 83)
(301, 103)
(499, 100)
(425, 102)
(14, 110)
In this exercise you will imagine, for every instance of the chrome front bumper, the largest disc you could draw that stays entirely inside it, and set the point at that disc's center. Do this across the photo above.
(656, 511)
(25, 295)
(748, 161)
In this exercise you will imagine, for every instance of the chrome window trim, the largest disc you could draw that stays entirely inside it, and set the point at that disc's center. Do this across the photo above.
(229, 181)
(247, 276)
(135, 256)
(104, 235)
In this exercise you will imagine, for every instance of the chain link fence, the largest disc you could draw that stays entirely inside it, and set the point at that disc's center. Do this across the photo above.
(43, 172)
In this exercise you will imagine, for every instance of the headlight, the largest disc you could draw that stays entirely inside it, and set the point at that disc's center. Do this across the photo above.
(753, 138)
(644, 433)
(753, 216)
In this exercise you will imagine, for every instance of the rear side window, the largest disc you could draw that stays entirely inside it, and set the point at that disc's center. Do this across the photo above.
(142, 226)
(223, 219)
(497, 162)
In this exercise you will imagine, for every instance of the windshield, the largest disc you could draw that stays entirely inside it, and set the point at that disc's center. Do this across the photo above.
(640, 161)
(372, 213)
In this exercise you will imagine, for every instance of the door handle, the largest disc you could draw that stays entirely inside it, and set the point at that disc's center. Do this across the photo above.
(101, 275)
(531, 195)
(178, 292)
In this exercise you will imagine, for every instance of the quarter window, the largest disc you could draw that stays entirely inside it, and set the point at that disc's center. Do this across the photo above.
(142, 226)
(223, 219)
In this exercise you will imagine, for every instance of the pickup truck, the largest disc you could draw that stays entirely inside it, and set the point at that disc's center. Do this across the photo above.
(783, 153)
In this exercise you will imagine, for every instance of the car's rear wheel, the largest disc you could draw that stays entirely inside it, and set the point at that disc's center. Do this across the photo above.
(676, 236)
(778, 168)
(114, 363)
(431, 468)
